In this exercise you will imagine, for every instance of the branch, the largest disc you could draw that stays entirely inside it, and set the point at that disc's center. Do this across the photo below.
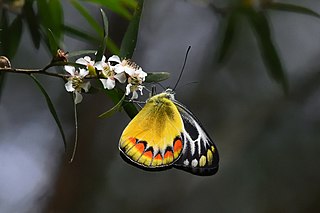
(5, 66)
(45, 72)
(31, 71)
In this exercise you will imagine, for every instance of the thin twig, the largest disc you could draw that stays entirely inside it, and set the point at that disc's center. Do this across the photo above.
(76, 130)
(44, 72)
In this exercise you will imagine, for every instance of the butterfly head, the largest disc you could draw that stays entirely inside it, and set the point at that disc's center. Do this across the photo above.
(169, 93)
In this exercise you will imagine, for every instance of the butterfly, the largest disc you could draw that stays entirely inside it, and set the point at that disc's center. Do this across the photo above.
(165, 134)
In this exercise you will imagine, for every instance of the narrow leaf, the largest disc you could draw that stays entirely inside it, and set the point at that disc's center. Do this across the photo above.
(112, 47)
(51, 108)
(129, 41)
(228, 36)
(56, 19)
(52, 43)
(103, 45)
(81, 53)
(10, 35)
(33, 23)
(117, 6)
(111, 111)
(154, 77)
(15, 31)
(80, 34)
(268, 50)
(292, 8)
(116, 95)
(84, 12)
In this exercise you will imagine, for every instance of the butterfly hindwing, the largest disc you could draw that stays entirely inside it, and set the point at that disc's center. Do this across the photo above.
(153, 139)
(199, 155)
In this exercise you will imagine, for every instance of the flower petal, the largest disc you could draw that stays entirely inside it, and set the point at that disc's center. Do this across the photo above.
(70, 69)
(103, 59)
(108, 83)
(88, 59)
(118, 68)
(121, 77)
(86, 86)
(82, 61)
(99, 65)
(134, 95)
(130, 71)
(114, 58)
(83, 72)
(142, 74)
(128, 89)
(78, 97)
(69, 86)
(140, 88)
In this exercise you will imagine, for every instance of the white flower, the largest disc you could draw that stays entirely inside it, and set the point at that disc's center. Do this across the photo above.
(139, 74)
(75, 82)
(109, 73)
(85, 61)
(133, 88)
(126, 65)
(136, 76)
(88, 63)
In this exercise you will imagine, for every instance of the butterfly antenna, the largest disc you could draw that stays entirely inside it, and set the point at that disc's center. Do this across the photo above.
(184, 64)
(187, 84)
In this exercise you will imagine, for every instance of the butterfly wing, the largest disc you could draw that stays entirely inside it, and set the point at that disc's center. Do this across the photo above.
(199, 155)
(153, 139)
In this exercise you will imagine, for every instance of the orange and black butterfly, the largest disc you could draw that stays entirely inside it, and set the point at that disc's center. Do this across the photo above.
(165, 134)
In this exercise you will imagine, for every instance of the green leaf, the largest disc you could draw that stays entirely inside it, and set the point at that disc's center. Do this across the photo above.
(111, 111)
(117, 6)
(116, 95)
(228, 35)
(33, 23)
(56, 19)
(268, 50)
(154, 77)
(112, 47)
(52, 43)
(129, 41)
(51, 108)
(292, 8)
(51, 18)
(15, 31)
(3, 32)
(103, 45)
(81, 53)
(10, 35)
(80, 34)
(84, 12)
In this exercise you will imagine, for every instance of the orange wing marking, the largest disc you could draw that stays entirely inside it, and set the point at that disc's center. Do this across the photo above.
(147, 157)
(168, 157)
(177, 147)
(137, 150)
(157, 160)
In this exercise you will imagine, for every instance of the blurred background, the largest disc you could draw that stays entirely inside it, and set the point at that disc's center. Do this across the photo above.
(268, 140)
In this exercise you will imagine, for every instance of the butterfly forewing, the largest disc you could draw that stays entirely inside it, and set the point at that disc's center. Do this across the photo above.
(199, 155)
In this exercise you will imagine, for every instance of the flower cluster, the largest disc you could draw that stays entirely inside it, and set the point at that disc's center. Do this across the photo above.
(109, 71)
